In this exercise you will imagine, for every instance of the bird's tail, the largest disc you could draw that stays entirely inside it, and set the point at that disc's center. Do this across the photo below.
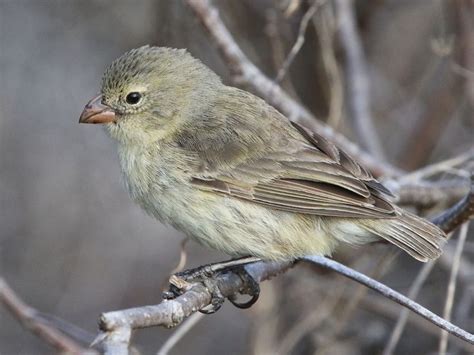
(416, 236)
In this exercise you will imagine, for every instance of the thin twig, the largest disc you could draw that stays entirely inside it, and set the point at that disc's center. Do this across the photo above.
(187, 325)
(309, 322)
(448, 306)
(183, 257)
(393, 295)
(246, 72)
(466, 268)
(349, 308)
(402, 319)
(324, 23)
(448, 221)
(29, 318)
(299, 40)
(358, 97)
(278, 52)
(414, 188)
(437, 168)
(384, 307)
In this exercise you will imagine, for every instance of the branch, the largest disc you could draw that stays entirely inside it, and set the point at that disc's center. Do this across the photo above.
(448, 306)
(358, 96)
(116, 327)
(245, 72)
(415, 189)
(299, 40)
(413, 292)
(391, 294)
(31, 319)
(428, 194)
(187, 325)
(458, 214)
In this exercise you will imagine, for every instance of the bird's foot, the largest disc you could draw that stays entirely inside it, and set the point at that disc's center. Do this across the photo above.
(252, 289)
(206, 275)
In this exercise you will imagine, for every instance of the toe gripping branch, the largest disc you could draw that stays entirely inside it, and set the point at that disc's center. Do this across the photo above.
(209, 276)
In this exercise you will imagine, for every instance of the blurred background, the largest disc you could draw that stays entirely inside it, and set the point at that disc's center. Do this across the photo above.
(73, 244)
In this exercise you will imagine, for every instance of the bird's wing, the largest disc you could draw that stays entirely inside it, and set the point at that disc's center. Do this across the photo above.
(310, 176)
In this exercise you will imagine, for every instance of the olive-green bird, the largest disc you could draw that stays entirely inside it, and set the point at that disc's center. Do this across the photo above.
(233, 173)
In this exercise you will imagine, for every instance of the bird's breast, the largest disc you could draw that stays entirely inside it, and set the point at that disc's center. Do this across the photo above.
(154, 180)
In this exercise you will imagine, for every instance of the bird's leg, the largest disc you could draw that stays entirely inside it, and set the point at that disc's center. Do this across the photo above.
(205, 274)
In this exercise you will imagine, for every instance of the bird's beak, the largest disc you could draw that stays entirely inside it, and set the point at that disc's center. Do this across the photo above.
(96, 112)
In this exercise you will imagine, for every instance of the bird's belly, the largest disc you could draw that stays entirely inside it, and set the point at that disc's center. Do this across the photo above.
(228, 224)
(241, 228)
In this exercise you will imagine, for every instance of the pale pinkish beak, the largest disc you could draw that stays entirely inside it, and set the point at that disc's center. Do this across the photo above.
(96, 112)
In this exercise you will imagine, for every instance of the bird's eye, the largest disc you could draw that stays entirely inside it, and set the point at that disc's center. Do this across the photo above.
(133, 98)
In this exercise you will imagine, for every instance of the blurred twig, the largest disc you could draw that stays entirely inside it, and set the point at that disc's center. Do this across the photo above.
(384, 307)
(187, 325)
(448, 306)
(465, 10)
(278, 52)
(31, 319)
(310, 321)
(393, 295)
(299, 40)
(444, 103)
(357, 79)
(349, 308)
(245, 71)
(415, 189)
(437, 168)
(324, 22)
(403, 317)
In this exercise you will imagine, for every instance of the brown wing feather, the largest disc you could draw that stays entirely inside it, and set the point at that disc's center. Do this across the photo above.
(314, 178)
(300, 171)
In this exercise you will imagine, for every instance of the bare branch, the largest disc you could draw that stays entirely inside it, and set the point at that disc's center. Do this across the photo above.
(382, 306)
(415, 189)
(358, 96)
(324, 22)
(117, 326)
(391, 294)
(299, 40)
(245, 71)
(30, 318)
(187, 325)
(403, 317)
(426, 269)
(440, 167)
(458, 214)
(429, 194)
(448, 306)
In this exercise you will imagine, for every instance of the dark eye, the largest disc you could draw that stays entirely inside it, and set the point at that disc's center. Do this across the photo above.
(133, 98)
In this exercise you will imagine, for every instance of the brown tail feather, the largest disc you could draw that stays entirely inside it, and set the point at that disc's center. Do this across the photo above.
(416, 236)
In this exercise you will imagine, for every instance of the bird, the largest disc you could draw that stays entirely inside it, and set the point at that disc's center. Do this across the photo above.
(233, 173)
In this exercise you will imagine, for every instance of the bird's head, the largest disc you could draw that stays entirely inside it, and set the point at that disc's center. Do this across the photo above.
(149, 92)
